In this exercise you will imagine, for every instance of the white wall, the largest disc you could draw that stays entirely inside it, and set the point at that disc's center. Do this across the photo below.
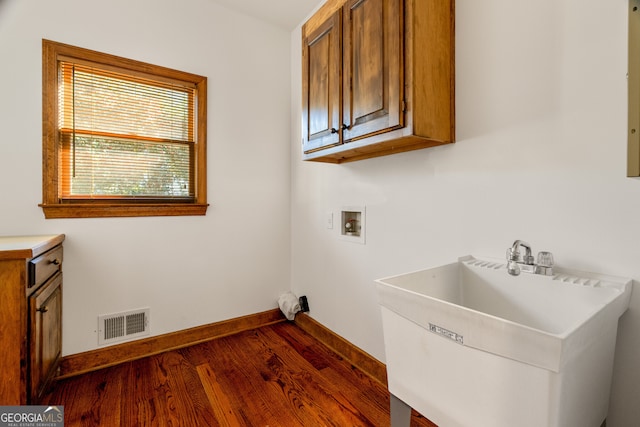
(541, 156)
(189, 270)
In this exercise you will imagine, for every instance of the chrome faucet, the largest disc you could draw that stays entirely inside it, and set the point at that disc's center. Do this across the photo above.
(517, 263)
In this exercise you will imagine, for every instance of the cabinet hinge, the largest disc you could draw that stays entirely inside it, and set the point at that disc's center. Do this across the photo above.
(404, 106)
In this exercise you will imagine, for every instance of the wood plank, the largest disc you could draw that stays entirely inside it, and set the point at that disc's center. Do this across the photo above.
(96, 402)
(139, 386)
(316, 392)
(277, 375)
(247, 384)
(113, 355)
(225, 414)
(355, 355)
(292, 382)
(338, 371)
(186, 397)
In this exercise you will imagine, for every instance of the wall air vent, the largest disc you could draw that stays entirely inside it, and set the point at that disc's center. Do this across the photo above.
(123, 326)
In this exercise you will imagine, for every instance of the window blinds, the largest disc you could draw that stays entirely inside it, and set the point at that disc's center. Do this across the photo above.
(124, 136)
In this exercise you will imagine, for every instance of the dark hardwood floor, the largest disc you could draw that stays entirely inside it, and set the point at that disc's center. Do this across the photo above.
(277, 375)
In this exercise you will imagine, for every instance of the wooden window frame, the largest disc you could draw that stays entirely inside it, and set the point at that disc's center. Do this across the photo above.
(633, 88)
(52, 204)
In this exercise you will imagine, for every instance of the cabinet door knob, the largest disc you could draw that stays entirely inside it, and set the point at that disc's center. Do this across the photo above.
(43, 309)
(56, 261)
(345, 127)
(334, 130)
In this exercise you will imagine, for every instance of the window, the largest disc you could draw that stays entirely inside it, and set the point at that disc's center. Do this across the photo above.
(120, 137)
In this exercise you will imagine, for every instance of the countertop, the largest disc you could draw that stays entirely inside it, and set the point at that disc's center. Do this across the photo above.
(17, 247)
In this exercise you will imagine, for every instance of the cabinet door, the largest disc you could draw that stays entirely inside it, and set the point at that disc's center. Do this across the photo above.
(372, 62)
(321, 80)
(45, 316)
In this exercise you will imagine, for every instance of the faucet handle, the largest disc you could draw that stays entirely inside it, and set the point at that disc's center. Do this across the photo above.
(545, 259)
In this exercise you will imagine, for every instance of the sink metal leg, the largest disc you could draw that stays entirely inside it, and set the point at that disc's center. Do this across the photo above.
(400, 413)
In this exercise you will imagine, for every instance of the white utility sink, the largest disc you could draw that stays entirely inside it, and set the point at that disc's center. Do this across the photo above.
(467, 344)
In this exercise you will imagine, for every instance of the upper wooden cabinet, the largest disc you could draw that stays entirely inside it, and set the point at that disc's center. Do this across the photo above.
(322, 71)
(377, 78)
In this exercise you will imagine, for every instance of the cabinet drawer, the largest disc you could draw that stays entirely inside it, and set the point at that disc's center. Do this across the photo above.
(44, 266)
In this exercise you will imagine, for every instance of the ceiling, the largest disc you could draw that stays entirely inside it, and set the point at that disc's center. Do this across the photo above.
(286, 14)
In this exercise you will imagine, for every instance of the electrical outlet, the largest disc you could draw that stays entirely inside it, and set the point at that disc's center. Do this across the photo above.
(330, 220)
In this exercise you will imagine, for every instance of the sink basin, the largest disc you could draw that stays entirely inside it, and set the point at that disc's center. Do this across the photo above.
(469, 345)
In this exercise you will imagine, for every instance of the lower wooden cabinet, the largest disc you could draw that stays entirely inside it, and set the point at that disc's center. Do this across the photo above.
(30, 316)
(45, 334)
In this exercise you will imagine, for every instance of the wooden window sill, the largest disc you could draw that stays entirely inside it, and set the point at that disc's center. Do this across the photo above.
(77, 210)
